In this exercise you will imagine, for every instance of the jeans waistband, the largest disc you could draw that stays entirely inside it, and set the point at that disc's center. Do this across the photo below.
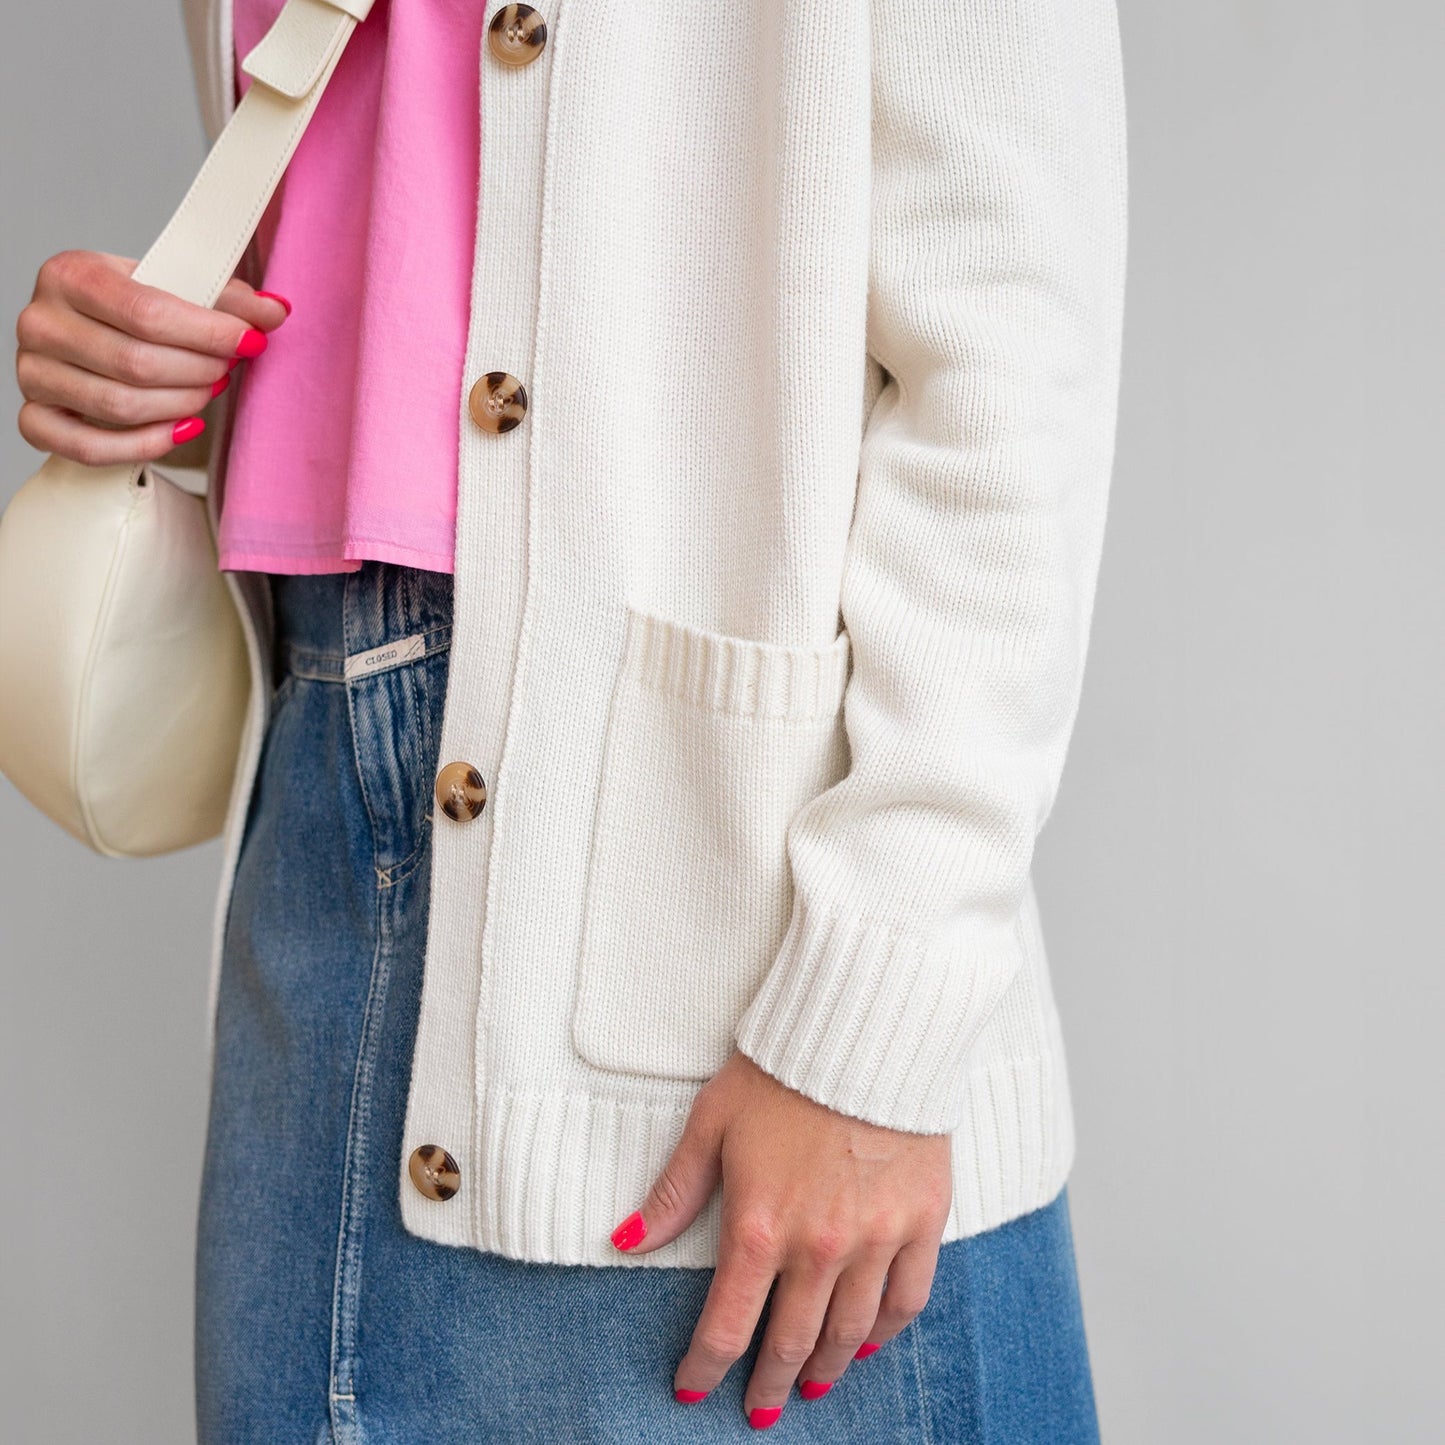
(333, 626)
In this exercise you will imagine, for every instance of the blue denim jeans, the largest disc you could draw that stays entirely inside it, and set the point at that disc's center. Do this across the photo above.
(319, 1319)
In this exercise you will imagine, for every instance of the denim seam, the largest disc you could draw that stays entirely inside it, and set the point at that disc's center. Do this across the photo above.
(415, 688)
(410, 608)
(925, 1415)
(399, 872)
(341, 1382)
(346, 1291)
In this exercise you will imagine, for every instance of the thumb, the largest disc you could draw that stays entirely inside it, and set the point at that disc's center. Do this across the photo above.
(680, 1190)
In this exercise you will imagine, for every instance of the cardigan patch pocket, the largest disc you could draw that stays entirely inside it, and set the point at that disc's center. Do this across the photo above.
(713, 744)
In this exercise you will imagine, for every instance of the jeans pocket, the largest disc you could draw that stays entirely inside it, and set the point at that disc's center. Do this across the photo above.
(395, 732)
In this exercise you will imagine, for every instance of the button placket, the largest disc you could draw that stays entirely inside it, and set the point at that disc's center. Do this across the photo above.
(492, 512)
(516, 35)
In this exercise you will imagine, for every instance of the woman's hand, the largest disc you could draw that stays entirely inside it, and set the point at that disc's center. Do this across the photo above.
(113, 370)
(826, 1203)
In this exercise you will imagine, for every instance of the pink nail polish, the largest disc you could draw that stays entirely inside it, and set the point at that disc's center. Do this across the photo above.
(630, 1232)
(233, 363)
(252, 342)
(761, 1419)
(866, 1349)
(814, 1389)
(276, 296)
(185, 429)
(689, 1397)
(221, 385)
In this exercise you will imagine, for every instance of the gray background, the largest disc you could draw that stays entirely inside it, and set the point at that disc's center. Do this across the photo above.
(1239, 882)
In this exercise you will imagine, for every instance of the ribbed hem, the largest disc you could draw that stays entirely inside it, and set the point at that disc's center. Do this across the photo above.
(553, 1175)
(870, 1021)
(736, 675)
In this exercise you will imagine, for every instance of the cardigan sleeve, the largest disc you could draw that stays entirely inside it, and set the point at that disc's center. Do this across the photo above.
(995, 309)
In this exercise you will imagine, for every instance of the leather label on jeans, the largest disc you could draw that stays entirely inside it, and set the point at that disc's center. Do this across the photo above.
(389, 654)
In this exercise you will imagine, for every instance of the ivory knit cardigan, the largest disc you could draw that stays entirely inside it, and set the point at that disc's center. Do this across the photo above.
(771, 615)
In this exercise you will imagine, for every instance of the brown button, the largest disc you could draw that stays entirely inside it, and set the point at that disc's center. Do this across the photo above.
(434, 1171)
(516, 35)
(461, 791)
(498, 401)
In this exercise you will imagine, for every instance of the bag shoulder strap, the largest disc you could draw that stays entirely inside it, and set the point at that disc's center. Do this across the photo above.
(203, 242)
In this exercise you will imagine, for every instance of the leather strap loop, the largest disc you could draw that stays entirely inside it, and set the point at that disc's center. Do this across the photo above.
(359, 9)
(291, 56)
(201, 245)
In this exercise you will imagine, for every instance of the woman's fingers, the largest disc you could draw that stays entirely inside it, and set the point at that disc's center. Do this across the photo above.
(816, 1206)
(795, 1318)
(852, 1313)
(748, 1258)
(910, 1280)
(54, 382)
(52, 429)
(680, 1189)
(110, 367)
(99, 285)
(97, 347)
(264, 310)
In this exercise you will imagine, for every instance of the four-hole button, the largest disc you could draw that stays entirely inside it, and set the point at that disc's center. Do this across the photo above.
(434, 1171)
(516, 35)
(498, 401)
(461, 791)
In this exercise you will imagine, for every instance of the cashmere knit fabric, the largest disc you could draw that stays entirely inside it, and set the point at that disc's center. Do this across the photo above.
(771, 615)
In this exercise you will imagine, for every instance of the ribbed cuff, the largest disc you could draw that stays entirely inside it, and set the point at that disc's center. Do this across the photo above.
(872, 1022)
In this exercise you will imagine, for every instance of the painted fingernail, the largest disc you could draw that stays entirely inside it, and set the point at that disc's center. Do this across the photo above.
(814, 1389)
(866, 1349)
(221, 385)
(188, 427)
(689, 1397)
(762, 1419)
(630, 1232)
(252, 342)
(276, 296)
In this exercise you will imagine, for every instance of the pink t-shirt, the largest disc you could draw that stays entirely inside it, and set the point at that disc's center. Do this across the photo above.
(346, 427)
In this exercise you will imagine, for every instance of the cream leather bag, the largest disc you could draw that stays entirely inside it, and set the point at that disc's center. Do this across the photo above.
(123, 669)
